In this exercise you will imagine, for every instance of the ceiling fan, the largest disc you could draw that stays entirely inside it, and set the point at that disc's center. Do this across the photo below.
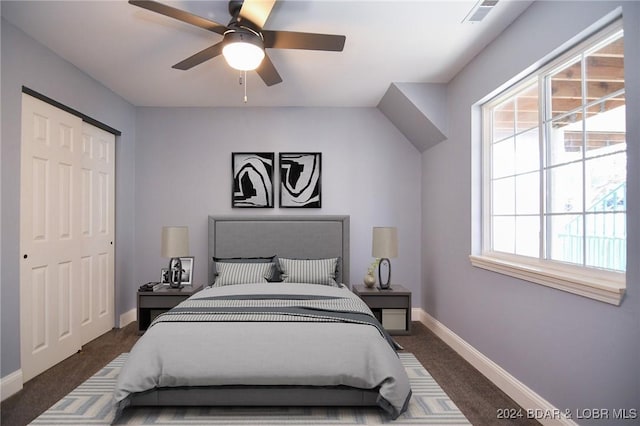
(245, 40)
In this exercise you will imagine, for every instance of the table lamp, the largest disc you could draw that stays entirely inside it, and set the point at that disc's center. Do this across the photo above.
(175, 244)
(385, 245)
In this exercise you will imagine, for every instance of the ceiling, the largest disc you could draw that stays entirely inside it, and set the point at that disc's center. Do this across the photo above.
(131, 50)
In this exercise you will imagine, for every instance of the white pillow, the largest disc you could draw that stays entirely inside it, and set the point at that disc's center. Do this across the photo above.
(242, 273)
(309, 271)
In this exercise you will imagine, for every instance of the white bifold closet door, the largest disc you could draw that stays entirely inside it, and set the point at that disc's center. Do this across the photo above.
(66, 235)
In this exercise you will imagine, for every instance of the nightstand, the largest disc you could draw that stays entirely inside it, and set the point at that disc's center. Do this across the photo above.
(153, 303)
(391, 307)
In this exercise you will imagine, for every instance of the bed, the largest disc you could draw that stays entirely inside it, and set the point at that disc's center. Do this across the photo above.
(292, 339)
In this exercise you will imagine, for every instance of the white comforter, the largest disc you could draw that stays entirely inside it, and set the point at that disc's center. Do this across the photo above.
(266, 353)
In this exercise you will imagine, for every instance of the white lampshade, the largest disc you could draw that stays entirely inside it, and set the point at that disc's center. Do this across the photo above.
(385, 242)
(175, 241)
(243, 49)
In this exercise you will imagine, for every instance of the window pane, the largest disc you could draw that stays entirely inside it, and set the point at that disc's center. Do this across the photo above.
(504, 116)
(606, 183)
(565, 238)
(527, 155)
(564, 186)
(566, 89)
(606, 241)
(565, 139)
(503, 195)
(528, 193)
(503, 233)
(502, 161)
(608, 224)
(527, 109)
(527, 236)
(605, 70)
(606, 127)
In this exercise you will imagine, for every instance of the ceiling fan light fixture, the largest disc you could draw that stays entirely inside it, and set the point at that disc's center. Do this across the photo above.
(243, 50)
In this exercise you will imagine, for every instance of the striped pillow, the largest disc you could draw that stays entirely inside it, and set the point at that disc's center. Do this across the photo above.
(268, 259)
(242, 273)
(309, 271)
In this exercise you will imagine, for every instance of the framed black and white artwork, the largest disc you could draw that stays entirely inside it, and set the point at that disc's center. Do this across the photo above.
(186, 278)
(300, 179)
(252, 179)
(165, 275)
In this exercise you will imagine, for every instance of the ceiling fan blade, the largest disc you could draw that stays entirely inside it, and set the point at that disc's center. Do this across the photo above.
(307, 41)
(267, 71)
(200, 57)
(180, 15)
(256, 11)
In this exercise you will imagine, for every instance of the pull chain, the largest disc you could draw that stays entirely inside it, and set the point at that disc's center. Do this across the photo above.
(245, 87)
(243, 82)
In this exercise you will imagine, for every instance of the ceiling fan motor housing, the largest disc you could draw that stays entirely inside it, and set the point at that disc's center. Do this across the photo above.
(244, 35)
(234, 7)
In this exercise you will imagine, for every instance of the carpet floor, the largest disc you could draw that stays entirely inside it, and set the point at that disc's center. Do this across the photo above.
(476, 397)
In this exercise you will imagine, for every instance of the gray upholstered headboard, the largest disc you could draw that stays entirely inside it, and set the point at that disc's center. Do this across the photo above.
(301, 237)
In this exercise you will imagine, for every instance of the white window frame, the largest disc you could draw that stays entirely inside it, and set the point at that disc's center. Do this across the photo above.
(603, 285)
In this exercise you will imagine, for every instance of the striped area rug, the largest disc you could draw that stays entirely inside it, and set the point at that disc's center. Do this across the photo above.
(91, 404)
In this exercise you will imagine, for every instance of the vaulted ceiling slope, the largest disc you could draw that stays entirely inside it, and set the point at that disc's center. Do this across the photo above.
(131, 50)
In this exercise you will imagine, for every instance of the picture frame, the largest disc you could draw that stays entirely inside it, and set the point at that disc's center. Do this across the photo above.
(252, 179)
(164, 276)
(300, 179)
(187, 270)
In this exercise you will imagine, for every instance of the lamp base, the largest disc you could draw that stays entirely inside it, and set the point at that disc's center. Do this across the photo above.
(384, 284)
(175, 273)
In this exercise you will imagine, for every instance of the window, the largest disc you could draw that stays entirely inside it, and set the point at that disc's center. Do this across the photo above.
(554, 173)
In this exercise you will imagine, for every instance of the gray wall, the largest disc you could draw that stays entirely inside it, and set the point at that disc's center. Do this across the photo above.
(370, 171)
(26, 62)
(575, 352)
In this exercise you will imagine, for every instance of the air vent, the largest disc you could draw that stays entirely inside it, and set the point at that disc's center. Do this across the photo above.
(480, 10)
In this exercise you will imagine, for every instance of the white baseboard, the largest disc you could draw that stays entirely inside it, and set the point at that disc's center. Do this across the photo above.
(128, 317)
(534, 405)
(11, 384)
